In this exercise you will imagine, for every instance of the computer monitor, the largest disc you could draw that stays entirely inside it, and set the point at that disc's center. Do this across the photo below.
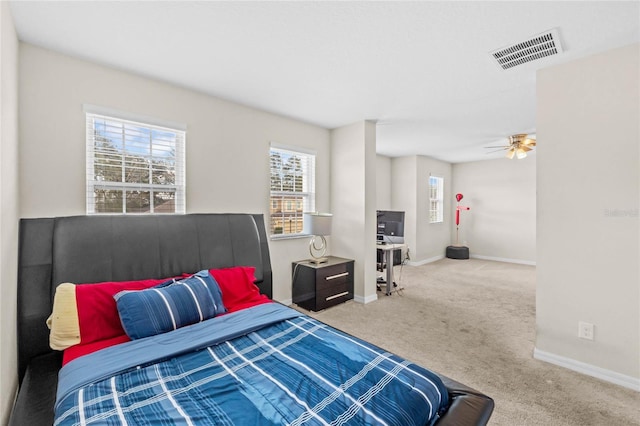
(390, 227)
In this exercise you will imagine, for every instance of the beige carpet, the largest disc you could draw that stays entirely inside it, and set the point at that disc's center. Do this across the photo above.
(474, 321)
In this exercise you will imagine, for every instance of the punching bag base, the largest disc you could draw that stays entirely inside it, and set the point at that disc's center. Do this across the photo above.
(457, 252)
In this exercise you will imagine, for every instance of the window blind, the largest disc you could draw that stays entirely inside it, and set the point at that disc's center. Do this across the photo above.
(292, 189)
(436, 199)
(134, 167)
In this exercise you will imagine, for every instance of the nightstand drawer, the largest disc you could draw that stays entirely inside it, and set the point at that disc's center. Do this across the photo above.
(334, 295)
(334, 274)
(329, 293)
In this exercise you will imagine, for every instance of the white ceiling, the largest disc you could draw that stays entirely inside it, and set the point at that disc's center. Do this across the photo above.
(420, 69)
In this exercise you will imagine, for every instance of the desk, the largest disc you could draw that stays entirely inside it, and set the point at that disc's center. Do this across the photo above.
(387, 250)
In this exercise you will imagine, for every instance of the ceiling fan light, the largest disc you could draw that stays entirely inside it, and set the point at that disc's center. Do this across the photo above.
(518, 146)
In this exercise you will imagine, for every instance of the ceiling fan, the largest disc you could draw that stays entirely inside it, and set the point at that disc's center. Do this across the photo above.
(518, 146)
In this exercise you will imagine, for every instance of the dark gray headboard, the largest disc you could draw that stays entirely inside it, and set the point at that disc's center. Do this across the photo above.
(89, 249)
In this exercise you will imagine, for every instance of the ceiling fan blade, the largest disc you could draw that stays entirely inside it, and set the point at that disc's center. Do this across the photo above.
(495, 150)
(518, 146)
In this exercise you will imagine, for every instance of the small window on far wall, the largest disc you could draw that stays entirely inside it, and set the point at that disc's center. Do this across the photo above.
(134, 167)
(292, 189)
(436, 199)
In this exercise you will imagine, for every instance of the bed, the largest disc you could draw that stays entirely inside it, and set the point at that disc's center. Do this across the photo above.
(254, 361)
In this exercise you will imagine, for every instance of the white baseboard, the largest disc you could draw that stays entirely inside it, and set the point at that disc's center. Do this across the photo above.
(503, 259)
(365, 300)
(629, 382)
(425, 261)
(286, 302)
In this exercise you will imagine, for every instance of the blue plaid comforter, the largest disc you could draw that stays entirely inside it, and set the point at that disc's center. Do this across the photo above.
(267, 365)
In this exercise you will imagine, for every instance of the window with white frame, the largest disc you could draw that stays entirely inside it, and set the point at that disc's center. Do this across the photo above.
(292, 189)
(134, 167)
(436, 199)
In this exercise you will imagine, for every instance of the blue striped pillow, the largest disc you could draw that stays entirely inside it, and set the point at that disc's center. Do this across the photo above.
(205, 277)
(170, 305)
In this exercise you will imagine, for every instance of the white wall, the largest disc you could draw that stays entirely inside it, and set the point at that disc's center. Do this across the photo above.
(432, 238)
(353, 203)
(501, 193)
(410, 193)
(383, 182)
(9, 208)
(588, 128)
(227, 148)
(404, 190)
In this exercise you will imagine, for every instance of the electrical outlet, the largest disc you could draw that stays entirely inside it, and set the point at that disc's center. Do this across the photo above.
(585, 330)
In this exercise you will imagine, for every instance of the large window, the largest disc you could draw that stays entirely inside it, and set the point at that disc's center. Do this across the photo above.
(133, 167)
(292, 189)
(436, 199)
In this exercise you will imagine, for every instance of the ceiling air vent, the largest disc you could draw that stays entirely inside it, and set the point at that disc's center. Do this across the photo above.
(537, 47)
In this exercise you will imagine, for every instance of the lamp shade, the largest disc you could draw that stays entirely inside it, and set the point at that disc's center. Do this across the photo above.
(317, 223)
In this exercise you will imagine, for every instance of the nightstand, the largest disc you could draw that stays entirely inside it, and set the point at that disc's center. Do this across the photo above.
(317, 287)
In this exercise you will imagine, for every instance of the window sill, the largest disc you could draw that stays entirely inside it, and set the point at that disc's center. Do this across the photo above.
(280, 237)
(136, 214)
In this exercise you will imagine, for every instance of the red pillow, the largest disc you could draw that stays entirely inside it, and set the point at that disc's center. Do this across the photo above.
(77, 351)
(97, 310)
(238, 288)
(100, 325)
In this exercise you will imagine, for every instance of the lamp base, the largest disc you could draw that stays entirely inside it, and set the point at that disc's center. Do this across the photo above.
(317, 253)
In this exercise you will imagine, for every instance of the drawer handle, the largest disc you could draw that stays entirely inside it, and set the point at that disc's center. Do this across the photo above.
(333, 277)
(335, 296)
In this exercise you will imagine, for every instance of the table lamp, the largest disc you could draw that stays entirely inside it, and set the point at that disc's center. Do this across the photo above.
(317, 225)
